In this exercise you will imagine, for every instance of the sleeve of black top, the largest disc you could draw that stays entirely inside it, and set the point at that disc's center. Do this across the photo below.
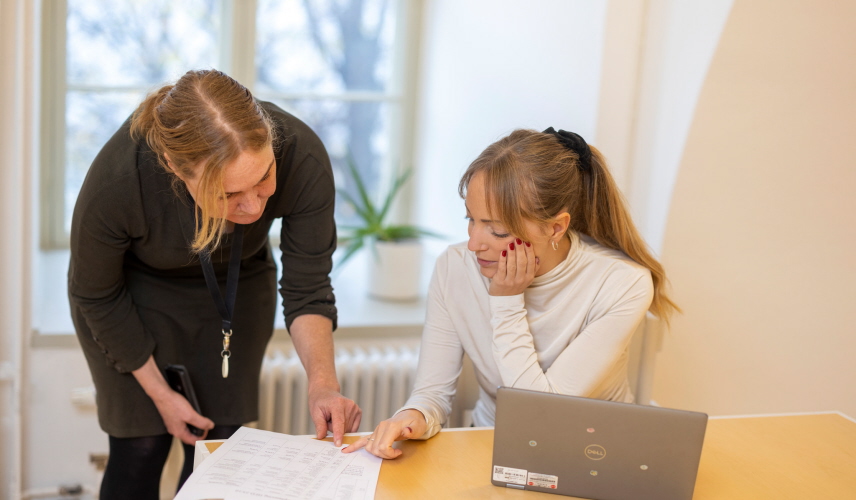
(107, 214)
(308, 240)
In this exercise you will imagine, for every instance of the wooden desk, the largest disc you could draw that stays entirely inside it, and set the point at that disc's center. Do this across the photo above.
(777, 457)
(782, 457)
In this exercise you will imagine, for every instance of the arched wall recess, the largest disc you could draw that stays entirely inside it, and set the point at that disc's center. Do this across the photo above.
(761, 231)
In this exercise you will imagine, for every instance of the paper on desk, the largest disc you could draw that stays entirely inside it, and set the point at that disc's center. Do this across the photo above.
(255, 464)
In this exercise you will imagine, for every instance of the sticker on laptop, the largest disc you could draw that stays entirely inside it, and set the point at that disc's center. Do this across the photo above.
(509, 475)
(542, 480)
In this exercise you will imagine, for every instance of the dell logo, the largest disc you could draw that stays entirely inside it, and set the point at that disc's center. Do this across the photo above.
(595, 452)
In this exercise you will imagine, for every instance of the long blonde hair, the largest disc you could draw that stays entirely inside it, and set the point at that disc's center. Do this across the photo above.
(203, 122)
(532, 176)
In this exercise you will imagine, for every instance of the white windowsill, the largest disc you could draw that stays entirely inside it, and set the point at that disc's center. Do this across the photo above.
(359, 314)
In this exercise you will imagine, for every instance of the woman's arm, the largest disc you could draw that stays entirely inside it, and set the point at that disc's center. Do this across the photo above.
(308, 240)
(313, 340)
(586, 362)
(440, 363)
(107, 215)
(172, 406)
(623, 297)
(440, 357)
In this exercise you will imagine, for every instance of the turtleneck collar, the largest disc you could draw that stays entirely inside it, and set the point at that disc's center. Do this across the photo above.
(557, 272)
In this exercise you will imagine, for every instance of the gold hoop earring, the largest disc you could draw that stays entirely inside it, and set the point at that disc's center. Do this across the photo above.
(554, 244)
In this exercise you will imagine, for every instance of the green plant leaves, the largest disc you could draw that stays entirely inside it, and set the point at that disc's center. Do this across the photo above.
(372, 220)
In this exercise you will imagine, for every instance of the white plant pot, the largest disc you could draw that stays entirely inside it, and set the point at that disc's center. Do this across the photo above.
(395, 268)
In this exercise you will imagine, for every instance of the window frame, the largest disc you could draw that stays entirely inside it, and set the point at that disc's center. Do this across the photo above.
(237, 58)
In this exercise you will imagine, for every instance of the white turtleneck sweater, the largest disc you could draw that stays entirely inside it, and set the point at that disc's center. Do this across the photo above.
(568, 333)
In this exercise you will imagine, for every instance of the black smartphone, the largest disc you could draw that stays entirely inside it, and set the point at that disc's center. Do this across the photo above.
(178, 378)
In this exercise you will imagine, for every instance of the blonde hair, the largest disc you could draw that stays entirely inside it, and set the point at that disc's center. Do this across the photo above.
(203, 122)
(530, 175)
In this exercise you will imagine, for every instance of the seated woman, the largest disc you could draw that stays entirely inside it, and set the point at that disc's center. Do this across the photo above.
(545, 295)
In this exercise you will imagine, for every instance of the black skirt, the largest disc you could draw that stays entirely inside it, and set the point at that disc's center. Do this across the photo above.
(182, 318)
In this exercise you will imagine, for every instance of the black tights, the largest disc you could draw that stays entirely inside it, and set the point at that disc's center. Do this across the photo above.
(135, 464)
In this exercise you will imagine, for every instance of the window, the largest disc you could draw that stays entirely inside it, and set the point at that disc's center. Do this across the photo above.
(337, 65)
(332, 64)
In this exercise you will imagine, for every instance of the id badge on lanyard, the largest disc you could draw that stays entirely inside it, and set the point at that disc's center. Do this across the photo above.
(226, 307)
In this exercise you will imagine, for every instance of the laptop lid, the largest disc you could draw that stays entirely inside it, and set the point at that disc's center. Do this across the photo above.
(595, 449)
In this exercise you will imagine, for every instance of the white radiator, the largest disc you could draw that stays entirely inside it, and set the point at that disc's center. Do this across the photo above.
(378, 376)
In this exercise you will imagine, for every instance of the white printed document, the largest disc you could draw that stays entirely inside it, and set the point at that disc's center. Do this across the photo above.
(255, 464)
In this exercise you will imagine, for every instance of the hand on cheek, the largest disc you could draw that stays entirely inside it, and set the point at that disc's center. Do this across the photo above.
(515, 270)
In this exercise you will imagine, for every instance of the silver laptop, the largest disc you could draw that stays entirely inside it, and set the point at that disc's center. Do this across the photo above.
(595, 449)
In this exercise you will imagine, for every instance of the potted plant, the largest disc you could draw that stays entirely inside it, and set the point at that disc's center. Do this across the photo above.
(396, 263)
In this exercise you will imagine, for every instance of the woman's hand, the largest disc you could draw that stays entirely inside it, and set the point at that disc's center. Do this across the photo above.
(174, 409)
(330, 411)
(405, 425)
(177, 413)
(312, 335)
(515, 270)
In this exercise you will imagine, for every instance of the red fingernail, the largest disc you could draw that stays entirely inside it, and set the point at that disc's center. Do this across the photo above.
(519, 242)
(504, 253)
(511, 246)
(528, 244)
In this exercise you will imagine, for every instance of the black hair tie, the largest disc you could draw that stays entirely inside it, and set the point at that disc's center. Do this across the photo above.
(575, 143)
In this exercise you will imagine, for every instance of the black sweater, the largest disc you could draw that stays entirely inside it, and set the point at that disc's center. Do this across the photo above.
(137, 290)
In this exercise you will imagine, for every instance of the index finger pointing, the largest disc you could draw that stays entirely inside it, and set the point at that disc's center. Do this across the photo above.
(337, 417)
(356, 445)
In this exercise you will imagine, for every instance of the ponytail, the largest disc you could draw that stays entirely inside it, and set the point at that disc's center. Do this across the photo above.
(603, 215)
(144, 121)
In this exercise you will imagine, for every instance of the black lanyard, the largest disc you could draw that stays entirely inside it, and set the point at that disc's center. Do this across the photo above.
(226, 308)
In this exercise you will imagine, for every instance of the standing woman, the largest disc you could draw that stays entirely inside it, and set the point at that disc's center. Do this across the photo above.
(545, 295)
(194, 180)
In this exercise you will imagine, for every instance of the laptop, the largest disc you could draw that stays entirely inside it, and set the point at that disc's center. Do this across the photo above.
(595, 449)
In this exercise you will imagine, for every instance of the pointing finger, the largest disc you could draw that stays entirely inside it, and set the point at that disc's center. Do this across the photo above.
(357, 445)
(337, 416)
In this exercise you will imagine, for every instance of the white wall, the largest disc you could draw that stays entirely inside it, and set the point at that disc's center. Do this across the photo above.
(624, 74)
(59, 436)
(648, 101)
(16, 163)
(760, 238)
(737, 138)
(487, 68)
(623, 43)
(681, 40)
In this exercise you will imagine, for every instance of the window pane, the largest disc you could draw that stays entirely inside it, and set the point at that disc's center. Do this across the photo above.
(139, 42)
(359, 128)
(325, 46)
(91, 119)
(331, 47)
